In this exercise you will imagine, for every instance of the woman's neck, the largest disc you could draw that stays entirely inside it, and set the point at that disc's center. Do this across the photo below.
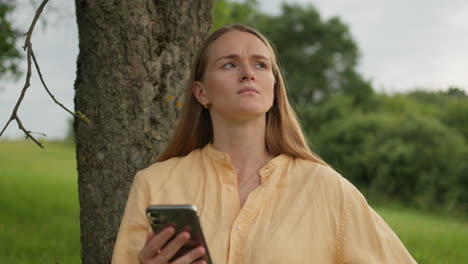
(244, 142)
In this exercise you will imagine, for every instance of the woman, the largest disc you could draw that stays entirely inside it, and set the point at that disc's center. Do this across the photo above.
(240, 156)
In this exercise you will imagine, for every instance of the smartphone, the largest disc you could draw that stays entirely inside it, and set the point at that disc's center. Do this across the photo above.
(182, 217)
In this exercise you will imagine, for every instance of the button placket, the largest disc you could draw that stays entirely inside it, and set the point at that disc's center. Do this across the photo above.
(239, 230)
(242, 228)
(229, 176)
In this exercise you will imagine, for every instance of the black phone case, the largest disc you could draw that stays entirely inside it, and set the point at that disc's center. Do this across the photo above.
(182, 218)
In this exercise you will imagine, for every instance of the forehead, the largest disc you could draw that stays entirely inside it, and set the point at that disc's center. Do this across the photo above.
(237, 42)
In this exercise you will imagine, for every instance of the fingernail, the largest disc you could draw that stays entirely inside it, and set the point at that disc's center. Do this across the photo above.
(202, 250)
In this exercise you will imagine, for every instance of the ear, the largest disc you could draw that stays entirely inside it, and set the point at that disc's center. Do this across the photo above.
(198, 91)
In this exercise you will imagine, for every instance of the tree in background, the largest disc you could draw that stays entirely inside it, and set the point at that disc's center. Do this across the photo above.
(133, 65)
(319, 57)
(9, 55)
(227, 12)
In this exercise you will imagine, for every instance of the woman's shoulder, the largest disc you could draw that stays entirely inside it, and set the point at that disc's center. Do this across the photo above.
(309, 168)
(165, 167)
(322, 174)
(323, 177)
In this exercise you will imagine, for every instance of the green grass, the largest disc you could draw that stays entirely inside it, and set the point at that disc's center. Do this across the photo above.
(430, 238)
(39, 219)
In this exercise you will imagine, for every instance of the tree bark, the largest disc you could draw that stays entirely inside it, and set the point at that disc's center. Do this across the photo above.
(132, 68)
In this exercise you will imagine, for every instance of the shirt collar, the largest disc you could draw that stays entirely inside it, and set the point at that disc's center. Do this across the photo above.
(264, 172)
(215, 154)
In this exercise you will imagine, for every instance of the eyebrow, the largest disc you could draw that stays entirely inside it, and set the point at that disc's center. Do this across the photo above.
(235, 56)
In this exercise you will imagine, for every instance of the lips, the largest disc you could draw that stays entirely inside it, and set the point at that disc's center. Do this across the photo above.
(247, 90)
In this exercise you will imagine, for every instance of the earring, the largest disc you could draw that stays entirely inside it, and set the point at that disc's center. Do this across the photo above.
(205, 105)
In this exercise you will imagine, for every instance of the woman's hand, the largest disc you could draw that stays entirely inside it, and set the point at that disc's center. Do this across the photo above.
(154, 253)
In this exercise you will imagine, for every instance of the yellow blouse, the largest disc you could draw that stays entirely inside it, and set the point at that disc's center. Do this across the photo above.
(302, 212)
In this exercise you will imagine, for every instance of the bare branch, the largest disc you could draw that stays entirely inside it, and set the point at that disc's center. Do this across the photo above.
(28, 34)
(30, 54)
(76, 114)
(14, 115)
(47, 89)
(6, 125)
(28, 48)
(28, 133)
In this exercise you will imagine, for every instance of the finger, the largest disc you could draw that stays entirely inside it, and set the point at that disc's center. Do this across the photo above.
(142, 256)
(172, 247)
(156, 243)
(149, 236)
(191, 256)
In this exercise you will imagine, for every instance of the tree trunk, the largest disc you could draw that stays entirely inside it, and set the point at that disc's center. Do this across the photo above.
(133, 66)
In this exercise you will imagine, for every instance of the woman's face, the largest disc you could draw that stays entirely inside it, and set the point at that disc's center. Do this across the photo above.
(238, 82)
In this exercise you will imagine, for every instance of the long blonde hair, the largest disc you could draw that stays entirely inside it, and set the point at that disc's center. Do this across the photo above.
(283, 133)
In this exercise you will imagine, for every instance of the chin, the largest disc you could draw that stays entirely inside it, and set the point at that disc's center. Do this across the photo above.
(251, 112)
(244, 112)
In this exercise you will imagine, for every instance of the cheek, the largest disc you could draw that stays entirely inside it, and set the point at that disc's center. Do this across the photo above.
(269, 85)
(272, 96)
(215, 85)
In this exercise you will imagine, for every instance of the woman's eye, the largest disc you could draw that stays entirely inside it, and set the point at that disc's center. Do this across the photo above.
(229, 65)
(260, 65)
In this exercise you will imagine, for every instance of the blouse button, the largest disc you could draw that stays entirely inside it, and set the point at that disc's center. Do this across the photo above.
(230, 188)
(239, 227)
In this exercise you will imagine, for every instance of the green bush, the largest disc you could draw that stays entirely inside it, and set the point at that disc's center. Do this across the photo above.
(401, 155)
(455, 114)
(451, 107)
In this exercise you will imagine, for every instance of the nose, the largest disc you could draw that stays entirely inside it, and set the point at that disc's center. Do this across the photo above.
(247, 74)
(248, 77)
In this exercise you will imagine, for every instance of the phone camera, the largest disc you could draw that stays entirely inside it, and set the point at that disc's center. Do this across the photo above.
(157, 219)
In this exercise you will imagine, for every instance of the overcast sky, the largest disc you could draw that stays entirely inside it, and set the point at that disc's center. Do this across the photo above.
(403, 44)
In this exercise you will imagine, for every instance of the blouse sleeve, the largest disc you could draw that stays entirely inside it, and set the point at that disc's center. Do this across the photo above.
(134, 226)
(365, 237)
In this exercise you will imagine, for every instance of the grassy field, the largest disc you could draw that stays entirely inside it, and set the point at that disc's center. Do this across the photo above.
(39, 218)
(429, 238)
